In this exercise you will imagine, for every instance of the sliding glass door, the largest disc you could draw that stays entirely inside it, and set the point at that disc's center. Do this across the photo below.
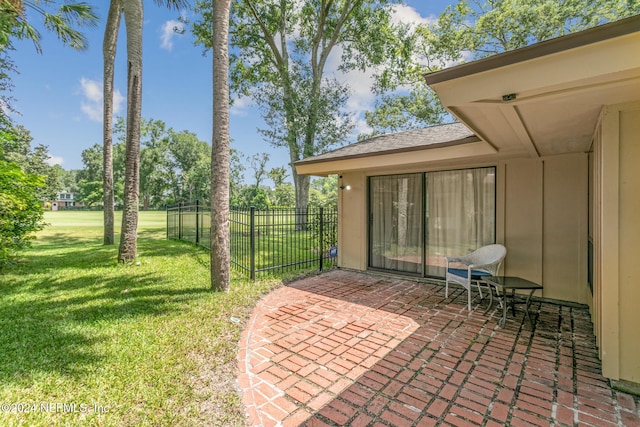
(395, 223)
(415, 220)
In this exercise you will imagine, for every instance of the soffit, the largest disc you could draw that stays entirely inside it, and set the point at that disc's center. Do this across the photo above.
(558, 97)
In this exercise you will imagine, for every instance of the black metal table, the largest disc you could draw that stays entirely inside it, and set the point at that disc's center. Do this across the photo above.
(504, 283)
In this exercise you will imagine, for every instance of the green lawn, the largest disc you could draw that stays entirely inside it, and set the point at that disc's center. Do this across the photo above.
(90, 222)
(145, 344)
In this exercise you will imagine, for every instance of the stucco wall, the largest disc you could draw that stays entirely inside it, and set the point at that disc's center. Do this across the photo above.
(541, 217)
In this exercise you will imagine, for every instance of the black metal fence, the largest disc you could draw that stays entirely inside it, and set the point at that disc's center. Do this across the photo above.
(263, 242)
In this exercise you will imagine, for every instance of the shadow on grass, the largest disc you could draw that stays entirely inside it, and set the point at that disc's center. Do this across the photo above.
(60, 238)
(53, 322)
(158, 247)
(76, 255)
(89, 252)
(94, 236)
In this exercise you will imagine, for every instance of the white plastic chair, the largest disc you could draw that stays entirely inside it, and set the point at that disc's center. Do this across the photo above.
(484, 261)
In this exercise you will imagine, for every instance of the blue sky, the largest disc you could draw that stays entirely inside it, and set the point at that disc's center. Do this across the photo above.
(59, 92)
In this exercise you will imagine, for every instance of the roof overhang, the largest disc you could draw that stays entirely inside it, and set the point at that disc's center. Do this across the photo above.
(545, 99)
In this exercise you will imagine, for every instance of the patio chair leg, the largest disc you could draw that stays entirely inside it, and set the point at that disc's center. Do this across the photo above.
(479, 290)
(490, 301)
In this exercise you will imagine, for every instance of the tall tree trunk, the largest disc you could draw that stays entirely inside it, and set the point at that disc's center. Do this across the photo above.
(133, 16)
(109, 55)
(301, 183)
(220, 154)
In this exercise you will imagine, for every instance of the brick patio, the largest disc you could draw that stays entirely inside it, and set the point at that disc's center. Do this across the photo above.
(347, 348)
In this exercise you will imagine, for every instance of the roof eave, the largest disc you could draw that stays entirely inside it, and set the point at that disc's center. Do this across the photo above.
(583, 38)
(312, 161)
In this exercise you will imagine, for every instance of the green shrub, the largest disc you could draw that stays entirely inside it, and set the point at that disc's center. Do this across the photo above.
(20, 208)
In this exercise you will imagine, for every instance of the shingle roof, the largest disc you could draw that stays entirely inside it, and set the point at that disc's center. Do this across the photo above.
(411, 140)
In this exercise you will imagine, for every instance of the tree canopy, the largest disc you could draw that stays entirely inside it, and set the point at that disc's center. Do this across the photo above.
(174, 167)
(64, 19)
(32, 160)
(21, 190)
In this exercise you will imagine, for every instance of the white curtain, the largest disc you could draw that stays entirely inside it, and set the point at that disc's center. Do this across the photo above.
(460, 212)
(396, 222)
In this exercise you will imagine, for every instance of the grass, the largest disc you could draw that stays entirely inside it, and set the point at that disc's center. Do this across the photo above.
(145, 345)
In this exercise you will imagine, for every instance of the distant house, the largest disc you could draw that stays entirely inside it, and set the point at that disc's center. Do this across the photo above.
(64, 200)
(545, 161)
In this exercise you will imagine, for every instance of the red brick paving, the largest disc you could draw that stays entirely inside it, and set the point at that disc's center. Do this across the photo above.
(347, 348)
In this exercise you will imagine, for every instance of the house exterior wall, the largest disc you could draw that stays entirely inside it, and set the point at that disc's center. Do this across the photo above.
(616, 178)
(541, 217)
(629, 243)
(352, 224)
(565, 236)
(523, 207)
(63, 200)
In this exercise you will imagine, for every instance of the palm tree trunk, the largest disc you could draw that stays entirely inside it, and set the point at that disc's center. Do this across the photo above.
(109, 55)
(220, 155)
(133, 16)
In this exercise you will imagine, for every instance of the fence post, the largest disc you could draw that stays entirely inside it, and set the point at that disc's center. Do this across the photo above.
(180, 221)
(197, 223)
(167, 221)
(252, 240)
(320, 239)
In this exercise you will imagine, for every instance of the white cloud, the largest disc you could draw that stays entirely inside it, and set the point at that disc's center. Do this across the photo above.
(361, 128)
(240, 106)
(408, 15)
(118, 101)
(171, 29)
(92, 105)
(91, 89)
(54, 160)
